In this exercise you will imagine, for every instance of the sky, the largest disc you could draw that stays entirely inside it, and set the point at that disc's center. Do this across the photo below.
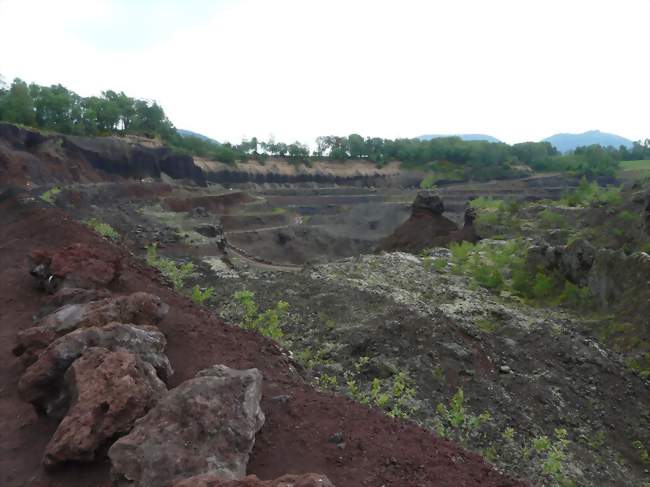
(296, 69)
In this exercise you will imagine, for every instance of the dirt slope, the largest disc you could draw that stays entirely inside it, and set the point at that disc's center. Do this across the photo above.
(378, 451)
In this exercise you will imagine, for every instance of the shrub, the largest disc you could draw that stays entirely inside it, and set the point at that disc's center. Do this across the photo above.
(104, 229)
(200, 296)
(177, 274)
(456, 422)
(266, 323)
(587, 193)
(50, 195)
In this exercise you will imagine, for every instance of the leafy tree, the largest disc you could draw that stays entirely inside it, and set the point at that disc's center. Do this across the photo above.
(17, 105)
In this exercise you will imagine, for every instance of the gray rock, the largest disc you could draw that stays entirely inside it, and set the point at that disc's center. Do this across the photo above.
(138, 308)
(206, 425)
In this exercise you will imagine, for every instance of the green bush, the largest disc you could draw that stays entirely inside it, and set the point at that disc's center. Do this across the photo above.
(587, 193)
(177, 274)
(456, 422)
(104, 229)
(200, 296)
(51, 194)
(266, 323)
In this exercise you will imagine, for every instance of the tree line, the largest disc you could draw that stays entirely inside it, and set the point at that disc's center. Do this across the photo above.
(114, 113)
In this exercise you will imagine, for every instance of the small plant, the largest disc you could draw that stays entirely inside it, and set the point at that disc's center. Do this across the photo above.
(104, 229)
(456, 422)
(177, 274)
(200, 296)
(266, 323)
(50, 195)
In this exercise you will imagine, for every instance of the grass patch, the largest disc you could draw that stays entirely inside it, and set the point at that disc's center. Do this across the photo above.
(104, 229)
(51, 194)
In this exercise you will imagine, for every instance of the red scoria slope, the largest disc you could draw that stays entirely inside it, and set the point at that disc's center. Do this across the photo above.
(379, 451)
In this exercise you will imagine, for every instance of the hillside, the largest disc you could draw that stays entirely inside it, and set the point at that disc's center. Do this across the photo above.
(568, 142)
(487, 138)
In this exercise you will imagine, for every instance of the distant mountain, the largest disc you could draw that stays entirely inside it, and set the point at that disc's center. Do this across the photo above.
(189, 133)
(568, 142)
(487, 138)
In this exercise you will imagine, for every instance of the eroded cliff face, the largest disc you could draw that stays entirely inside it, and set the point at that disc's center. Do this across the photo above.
(30, 157)
(350, 173)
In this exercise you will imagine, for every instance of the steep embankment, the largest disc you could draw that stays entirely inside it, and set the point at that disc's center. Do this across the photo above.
(358, 173)
(299, 419)
(29, 157)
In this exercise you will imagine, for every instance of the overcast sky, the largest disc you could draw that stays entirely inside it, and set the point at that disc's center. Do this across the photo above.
(516, 69)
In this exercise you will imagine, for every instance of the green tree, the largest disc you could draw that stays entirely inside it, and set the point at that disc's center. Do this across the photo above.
(17, 105)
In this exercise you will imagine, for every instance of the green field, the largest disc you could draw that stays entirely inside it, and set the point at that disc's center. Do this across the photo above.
(635, 169)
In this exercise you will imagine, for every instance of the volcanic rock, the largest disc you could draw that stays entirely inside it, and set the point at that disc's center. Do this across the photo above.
(138, 308)
(111, 391)
(209, 230)
(206, 425)
(77, 266)
(304, 480)
(426, 227)
(428, 201)
(42, 383)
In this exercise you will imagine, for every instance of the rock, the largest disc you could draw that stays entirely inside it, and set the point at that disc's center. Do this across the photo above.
(206, 425)
(576, 261)
(429, 201)
(504, 369)
(111, 391)
(426, 227)
(137, 308)
(74, 295)
(209, 230)
(42, 382)
(304, 480)
(76, 266)
(198, 212)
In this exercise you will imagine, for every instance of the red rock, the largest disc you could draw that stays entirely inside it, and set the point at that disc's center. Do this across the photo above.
(112, 390)
(42, 383)
(78, 266)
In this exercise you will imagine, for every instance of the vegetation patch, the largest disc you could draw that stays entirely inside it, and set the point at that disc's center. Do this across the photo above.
(104, 229)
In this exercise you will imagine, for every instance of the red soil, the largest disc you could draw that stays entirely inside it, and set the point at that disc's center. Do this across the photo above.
(378, 450)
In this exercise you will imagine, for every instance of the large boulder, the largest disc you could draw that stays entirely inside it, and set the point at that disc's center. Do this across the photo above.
(206, 425)
(111, 390)
(304, 480)
(77, 266)
(137, 308)
(42, 384)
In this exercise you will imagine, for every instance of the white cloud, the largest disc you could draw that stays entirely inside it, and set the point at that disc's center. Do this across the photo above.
(302, 68)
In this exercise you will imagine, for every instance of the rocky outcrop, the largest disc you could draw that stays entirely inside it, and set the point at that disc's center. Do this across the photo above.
(111, 390)
(305, 480)
(137, 308)
(32, 157)
(42, 384)
(427, 227)
(574, 261)
(618, 281)
(206, 425)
